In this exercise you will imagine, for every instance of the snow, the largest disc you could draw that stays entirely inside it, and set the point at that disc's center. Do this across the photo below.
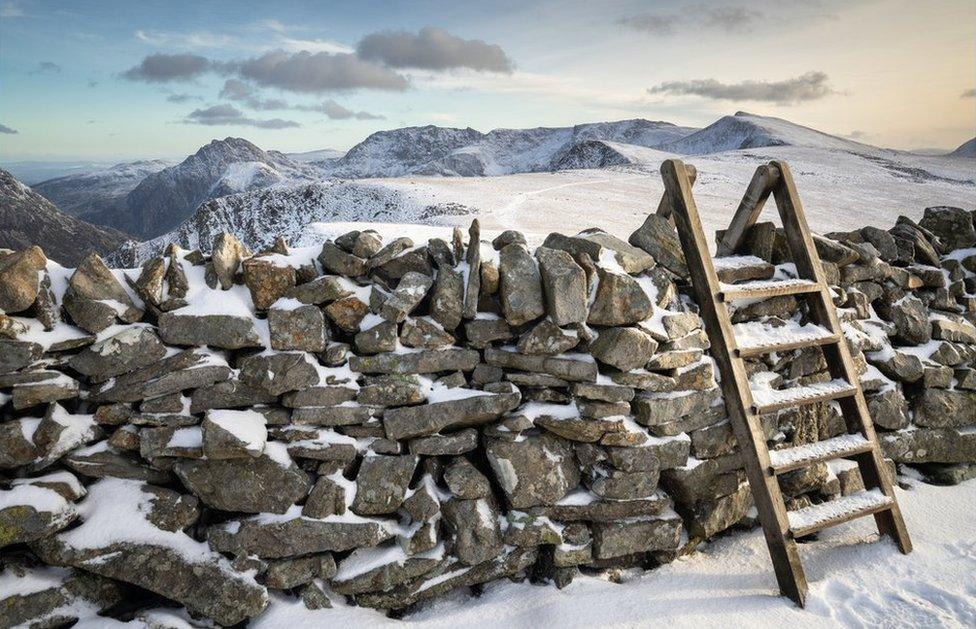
(190, 437)
(363, 560)
(811, 451)
(856, 580)
(61, 477)
(758, 334)
(248, 427)
(765, 397)
(41, 499)
(815, 515)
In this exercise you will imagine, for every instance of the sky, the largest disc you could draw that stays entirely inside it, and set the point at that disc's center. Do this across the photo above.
(110, 80)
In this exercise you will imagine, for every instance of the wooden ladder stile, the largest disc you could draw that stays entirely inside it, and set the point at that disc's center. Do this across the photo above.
(762, 471)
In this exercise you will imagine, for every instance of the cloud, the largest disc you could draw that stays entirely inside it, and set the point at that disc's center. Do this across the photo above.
(92, 83)
(317, 72)
(197, 39)
(731, 18)
(335, 111)
(181, 98)
(11, 9)
(5, 129)
(806, 87)
(230, 115)
(162, 68)
(970, 93)
(46, 67)
(433, 49)
(245, 93)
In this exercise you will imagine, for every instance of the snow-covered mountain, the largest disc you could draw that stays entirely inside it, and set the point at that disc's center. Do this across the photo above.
(27, 218)
(164, 199)
(403, 151)
(100, 195)
(747, 131)
(966, 149)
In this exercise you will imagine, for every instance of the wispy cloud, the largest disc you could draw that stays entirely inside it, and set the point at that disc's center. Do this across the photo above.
(245, 93)
(46, 67)
(196, 39)
(11, 9)
(433, 49)
(163, 68)
(729, 18)
(806, 87)
(228, 115)
(5, 129)
(181, 98)
(335, 111)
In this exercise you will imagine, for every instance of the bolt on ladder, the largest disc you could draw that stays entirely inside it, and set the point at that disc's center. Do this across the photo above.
(745, 406)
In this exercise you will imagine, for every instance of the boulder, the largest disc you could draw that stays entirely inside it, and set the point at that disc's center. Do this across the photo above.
(565, 368)
(266, 281)
(20, 279)
(658, 237)
(94, 298)
(565, 286)
(335, 260)
(477, 536)
(381, 484)
(16, 355)
(226, 256)
(952, 225)
(130, 349)
(473, 409)
(521, 285)
(619, 300)
(301, 328)
(278, 373)
(546, 338)
(409, 293)
(618, 539)
(623, 348)
(215, 330)
(630, 258)
(538, 470)
(447, 298)
(29, 513)
(233, 434)
(293, 537)
(465, 481)
(941, 408)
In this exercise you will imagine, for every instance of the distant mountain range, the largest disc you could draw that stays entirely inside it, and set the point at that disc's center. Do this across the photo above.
(27, 218)
(234, 184)
(966, 149)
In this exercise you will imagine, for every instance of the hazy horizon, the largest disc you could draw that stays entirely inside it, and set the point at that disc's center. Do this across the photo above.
(119, 81)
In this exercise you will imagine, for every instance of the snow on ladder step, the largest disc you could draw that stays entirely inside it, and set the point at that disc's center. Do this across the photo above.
(801, 456)
(818, 517)
(764, 289)
(755, 338)
(769, 400)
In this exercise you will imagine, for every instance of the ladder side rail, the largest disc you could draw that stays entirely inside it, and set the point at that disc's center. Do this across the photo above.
(664, 206)
(837, 356)
(738, 397)
(751, 206)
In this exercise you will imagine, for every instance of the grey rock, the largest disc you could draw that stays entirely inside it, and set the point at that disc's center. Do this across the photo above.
(19, 281)
(226, 256)
(482, 332)
(332, 415)
(623, 348)
(930, 445)
(266, 281)
(617, 539)
(602, 392)
(477, 537)
(538, 470)
(424, 333)
(888, 408)
(428, 419)
(940, 408)
(506, 238)
(228, 394)
(296, 537)
(952, 225)
(254, 485)
(61, 602)
(381, 484)
(911, 319)
(565, 368)
(24, 519)
(335, 260)
(658, 237)
(285, 574)
(130, 349)
(465, 481)
(328, 497)
(409, 293)
(301, 328)
(320, 290)
(521, 285)
(91, 286)
(565, 286)
(546, 338)
(632, 259)
(427, 361)
(278, 373)
(447, 298)
(222, 331)
(347, 313)
(593, 509)
(381, 578)
(472, 256)
(221, 441)
(445, 445)
(16, 355)
(619, 300)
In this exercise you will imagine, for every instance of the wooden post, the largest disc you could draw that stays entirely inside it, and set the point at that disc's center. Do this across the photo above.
(749, 209)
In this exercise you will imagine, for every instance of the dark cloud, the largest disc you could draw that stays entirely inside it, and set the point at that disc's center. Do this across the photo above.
(317, 72)
(970, 93)
(433, 49)
(181, 98)
(230, 115)
(5, 129)
(92, 83)
(245, 93)
(335, 111)
(46, 67)
(806, 87)
(731, 18)
(162, 68)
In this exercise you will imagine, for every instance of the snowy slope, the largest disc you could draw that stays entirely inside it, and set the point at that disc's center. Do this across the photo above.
(401, 151)
(966, 149)
(95, 195)
(746, 131)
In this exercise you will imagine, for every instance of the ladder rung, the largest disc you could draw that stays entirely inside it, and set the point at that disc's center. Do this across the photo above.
(829, 449)
(825, 515)
(764, 289)
(769, 400)
(755, 338)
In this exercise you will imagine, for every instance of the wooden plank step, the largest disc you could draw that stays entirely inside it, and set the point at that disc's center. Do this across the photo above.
(794, 458)
(754, 338)
(769, 400)
(825, 515)
(764, 289)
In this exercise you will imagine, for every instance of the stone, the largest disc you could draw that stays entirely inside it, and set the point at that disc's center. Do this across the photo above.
(521, 285)
(214, 330)
(508, 237)
(35, 393)
(266, 281)
(411, 290)
(958, 331)
(381, 484)
(565, 368)
(16, 355)
(228, 394)
(711, 517)
(481, 333)
(940, 408)
(428, 419)
(619, 301)
(602, 392)
(296, 536)
(623, 348)
(465, 481)
(342, 415)
(617, 539)
(130, 349)
(830, 250)
(424, 333)
(381, 337)
(285, 574)
(477, 537)
(658, 237)
(453, 444)
(565, 286)
(882, 241)
(911, 319)
(391, 391)
(426, 361)
(29, 513)
(335, 260)
(226, 256)
(630, 258)
(328, 497)
(390, 571)
(94, 298)
(539, 470)
(930, 445)
(897, 365)
(367, 244)
(323, 289)
(347, 313)
(652, 409)
(19, 279)
(268, 483)
(278, 373)
(302, 328)
(952, 225)
(472, 257)
(233, 434)
(546, 338)
(390, 251)
(447, 298)
(42, 597)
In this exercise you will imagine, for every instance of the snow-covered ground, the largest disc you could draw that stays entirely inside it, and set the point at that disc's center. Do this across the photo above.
(856, 580)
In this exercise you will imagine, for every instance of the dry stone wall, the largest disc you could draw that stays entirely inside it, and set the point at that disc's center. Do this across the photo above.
(390, 421)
